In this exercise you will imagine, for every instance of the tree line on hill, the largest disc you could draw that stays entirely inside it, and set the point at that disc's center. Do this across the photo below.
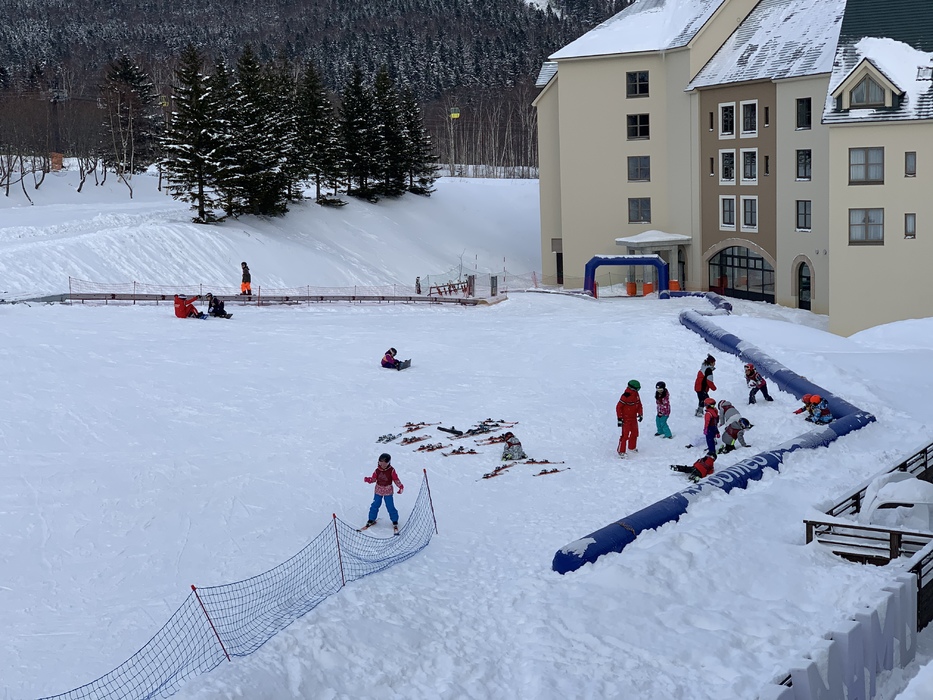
(477, 60)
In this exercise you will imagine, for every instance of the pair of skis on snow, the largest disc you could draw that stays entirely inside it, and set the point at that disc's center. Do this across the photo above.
(366, 527)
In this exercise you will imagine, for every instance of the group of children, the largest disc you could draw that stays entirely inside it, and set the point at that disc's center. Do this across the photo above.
(185, 308)
(720, 421)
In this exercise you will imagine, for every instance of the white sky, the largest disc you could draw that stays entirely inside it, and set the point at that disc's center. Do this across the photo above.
(140, 453)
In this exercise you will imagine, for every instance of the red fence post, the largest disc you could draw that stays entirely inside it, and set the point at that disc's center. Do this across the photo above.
(430, 500)
(343, 578)
(220, 641)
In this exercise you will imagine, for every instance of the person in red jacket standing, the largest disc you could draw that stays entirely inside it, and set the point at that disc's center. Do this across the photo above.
(710, 425)
(185, 308)
(384, 477)
(704, 383)
(629, 414)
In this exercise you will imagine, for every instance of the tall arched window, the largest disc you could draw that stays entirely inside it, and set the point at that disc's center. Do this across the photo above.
(741, 273)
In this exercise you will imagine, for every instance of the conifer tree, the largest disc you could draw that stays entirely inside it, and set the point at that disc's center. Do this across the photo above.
(421, 158)
(222, 99)
(281, 104)
(316, 126)
(358, 133)
(392, 154)
(258, 183)
(191, 144)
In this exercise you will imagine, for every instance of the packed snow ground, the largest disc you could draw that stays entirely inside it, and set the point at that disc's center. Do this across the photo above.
(142, 453)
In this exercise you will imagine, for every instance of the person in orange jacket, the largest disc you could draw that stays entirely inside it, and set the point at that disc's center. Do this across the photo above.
(710, 424)
(185, 308)
(629, 414)
(704, 383)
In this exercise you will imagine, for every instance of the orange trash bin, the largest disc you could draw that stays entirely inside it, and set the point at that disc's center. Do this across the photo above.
(647, 288)
(631, 288)
(675, 285)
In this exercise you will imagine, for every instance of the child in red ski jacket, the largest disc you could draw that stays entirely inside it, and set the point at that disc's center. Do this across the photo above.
(704, 383)
(756, 383)
(384, 477)
(710, 425)
(629, 414)
(702, 468)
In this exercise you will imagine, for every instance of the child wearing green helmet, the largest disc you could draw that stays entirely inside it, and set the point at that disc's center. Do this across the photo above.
(629, 414)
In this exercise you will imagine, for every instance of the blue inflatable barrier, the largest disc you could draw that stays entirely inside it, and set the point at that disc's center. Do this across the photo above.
(618, 535)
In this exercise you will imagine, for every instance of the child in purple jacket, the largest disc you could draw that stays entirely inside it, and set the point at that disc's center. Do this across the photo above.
(663, 398)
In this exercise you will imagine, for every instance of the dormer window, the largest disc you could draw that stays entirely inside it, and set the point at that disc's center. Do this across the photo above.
(867, 93)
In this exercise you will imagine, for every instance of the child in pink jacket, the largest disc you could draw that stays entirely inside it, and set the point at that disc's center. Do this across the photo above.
(384, 477)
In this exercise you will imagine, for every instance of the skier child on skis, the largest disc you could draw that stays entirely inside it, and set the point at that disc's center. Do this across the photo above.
(629, 414)
(384, 477)
(756, 383)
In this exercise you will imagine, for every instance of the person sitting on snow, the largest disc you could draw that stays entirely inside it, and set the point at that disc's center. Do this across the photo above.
(185, 308)
(512, 449)
(819, 412)
(807, 406)
(389, 361)
(215, 307)
(702, 468)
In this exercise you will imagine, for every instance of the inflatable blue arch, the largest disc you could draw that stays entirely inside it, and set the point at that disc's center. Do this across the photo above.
(618, 535)
(589, 274)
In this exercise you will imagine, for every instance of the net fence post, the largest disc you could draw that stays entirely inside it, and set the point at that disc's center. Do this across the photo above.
(430, 500)
(219, 640)
(343, 578)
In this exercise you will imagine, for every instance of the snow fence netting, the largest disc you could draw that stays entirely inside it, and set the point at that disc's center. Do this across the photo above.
(236, 619)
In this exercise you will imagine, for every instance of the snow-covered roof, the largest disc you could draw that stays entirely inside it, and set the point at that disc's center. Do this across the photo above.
(899, 63)
(653, 236)
(646, 25)
(779, 39)
(548, 71)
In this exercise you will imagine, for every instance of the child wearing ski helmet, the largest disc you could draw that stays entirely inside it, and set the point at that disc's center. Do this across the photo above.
(629, 414)
(756, 383)
(663, 399)
(734, 427)
(383, 478)
(820, 413)
(512, 449)
(807, 406)
(710, 424)
(702, 468)
(704, 383)
(389, 361)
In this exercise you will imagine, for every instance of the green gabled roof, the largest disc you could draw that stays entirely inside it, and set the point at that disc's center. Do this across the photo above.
(907, 21)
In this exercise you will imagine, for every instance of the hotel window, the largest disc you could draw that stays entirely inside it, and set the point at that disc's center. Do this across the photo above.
(767, 116)
(712, 121)
(750, 166)
(749, 118)
(712, 166)
(639, 168)
(804, 171)
(910, 226)
(749, 213)
(867, 93)
(804, 113)
(727, 167)
(866, 166)
(638, 127)
(910, 164)
(727, 213)
(767, 165)
(636, 84)
(804, 215)
(639, 210)
(866, 226)
(727, 121)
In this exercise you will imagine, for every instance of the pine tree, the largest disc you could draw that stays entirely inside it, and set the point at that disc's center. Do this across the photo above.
(316, 143)
(421, 159)
(391, 157)
(281, 103)
(191, 144)
(358, 134)
(258, 183)
(222, 100)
